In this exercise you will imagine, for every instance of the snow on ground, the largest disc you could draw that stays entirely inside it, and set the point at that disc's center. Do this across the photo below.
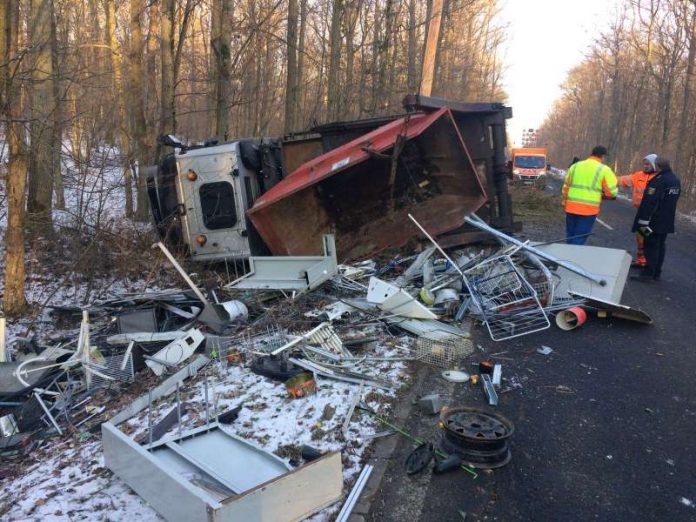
(68, 480)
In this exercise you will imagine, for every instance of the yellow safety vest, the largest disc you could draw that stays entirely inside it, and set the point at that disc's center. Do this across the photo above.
(584, 184)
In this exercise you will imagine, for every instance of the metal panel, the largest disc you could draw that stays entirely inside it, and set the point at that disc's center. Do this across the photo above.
(241, 464)
(169, 494)
(185, 484)
(165, 388)
(610, 264)
(176, 352)
(290, 272)
(137, 321)
(290, 498)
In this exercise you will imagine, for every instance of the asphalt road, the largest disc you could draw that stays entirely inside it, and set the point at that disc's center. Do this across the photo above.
(605, 424)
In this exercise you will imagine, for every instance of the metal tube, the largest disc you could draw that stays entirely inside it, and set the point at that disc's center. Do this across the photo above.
(178, 408)
(568, 266)
(149, 416)
(436, 245)
(205, 393)
(354, 494)
(48, 413)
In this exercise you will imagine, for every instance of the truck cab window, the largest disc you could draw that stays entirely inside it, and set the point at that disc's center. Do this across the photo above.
(217, 205)
(530, 162)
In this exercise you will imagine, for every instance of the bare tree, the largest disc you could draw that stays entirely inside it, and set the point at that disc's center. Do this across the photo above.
(120, 97)
(291, 85)
(143, 144)
(14, 300)
(42, 127)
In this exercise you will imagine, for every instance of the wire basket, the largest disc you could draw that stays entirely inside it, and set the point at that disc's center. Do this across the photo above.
(445, 354)
(508, 303)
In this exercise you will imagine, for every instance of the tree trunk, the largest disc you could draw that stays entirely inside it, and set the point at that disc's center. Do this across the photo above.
(332, 94)
(384, 47)
(687, 112)
(143, 149)
(167, 108)
(220, 47)
(291, 76)
(152, 105)
(14, 300)
(431, 45)
(59, 189)
(121, 115)
(412, 74)
(41, 163)
(299, 108)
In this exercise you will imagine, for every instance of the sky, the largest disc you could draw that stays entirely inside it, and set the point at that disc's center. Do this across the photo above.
(546, 38)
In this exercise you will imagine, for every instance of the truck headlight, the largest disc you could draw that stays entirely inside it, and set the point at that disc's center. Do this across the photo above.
(201, 240)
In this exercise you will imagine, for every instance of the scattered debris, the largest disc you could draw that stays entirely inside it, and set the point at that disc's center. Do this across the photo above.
(489, 389)
(430, 404)
(337, 336)
(301, 385)
(455, 376)
(419, 458)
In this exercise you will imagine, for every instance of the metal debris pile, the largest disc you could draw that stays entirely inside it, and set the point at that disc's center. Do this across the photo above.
(300, 323)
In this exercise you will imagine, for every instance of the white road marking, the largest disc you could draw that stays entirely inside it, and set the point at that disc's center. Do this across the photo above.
(608, 227)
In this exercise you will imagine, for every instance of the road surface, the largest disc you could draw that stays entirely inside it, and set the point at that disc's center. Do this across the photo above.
(605, 424)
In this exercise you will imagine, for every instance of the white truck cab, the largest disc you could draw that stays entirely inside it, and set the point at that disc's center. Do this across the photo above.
(200, 196)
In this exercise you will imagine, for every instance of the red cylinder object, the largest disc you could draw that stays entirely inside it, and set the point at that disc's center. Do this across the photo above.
(571, 318)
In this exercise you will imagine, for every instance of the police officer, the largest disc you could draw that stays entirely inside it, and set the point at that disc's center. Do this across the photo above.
(655, 218)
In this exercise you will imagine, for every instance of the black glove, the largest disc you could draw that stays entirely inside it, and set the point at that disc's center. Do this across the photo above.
(645, 231)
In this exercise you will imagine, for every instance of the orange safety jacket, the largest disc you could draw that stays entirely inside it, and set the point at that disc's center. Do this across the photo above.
(584, 185)
(637, 182)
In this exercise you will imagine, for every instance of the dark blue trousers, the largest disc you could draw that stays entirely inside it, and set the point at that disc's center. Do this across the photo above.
(655, 255)
(577, 225)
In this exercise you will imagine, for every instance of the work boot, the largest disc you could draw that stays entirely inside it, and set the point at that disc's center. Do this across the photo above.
(639, 262)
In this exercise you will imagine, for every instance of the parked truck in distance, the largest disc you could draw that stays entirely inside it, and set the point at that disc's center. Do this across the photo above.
(529, 165)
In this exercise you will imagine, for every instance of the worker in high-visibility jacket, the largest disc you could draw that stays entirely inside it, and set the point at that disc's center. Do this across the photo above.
(636, 183)
(586, 183)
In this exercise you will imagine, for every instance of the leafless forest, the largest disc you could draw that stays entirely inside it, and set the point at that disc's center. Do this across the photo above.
(89, 85)
(634, 92)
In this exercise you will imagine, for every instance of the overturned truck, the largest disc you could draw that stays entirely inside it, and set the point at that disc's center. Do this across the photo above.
(439, 161)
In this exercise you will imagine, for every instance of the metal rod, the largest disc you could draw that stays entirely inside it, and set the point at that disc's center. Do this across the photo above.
(48, 413)
(354, 494)
(127, 355)
(568, 266)
(436, 245)
(149, 416)
(353, 403)
(4, 352)
(205, 393)
(178, 408)
(560, 240)
(182, 272)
